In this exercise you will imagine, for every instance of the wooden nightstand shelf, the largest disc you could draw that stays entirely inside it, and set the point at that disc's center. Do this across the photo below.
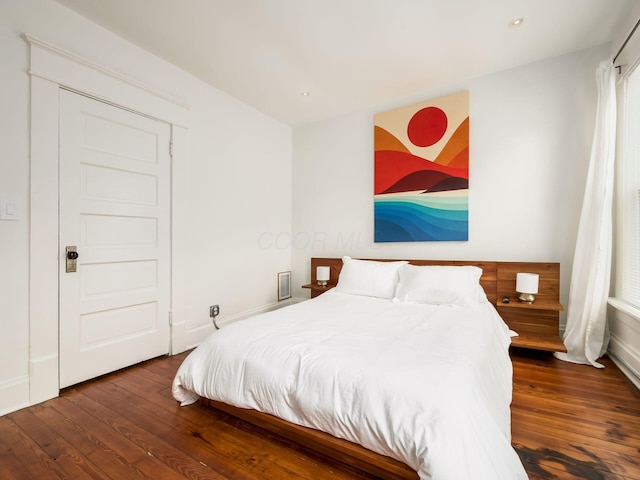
(317, 289)
(537, 324)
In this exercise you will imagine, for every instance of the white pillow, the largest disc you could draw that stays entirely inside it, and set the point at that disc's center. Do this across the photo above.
(368, 277)
(440, 285)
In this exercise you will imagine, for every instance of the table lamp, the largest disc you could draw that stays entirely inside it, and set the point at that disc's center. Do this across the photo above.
(323, 275)
(527, 286)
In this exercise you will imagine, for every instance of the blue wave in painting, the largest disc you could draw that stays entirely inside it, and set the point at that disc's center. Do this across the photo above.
(419, 218)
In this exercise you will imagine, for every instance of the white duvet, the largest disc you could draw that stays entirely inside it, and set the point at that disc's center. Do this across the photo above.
(427, 385)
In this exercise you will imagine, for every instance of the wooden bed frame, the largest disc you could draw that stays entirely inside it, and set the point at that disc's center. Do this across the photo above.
(498, 281)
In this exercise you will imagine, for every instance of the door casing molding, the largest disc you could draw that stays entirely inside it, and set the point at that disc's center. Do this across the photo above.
(53, 68)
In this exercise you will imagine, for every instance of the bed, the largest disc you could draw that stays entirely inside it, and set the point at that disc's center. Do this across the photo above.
(418, 378)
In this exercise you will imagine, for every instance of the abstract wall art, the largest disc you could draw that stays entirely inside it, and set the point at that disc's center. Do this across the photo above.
(421, 172)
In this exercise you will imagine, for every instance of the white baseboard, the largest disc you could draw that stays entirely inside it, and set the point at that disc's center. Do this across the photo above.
(14, 394)
(257, 311)
(627, 360)
(197, 333)
(624, 327)
(44, 378)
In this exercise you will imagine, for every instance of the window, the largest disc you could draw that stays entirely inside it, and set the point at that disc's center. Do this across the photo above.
(628, 190)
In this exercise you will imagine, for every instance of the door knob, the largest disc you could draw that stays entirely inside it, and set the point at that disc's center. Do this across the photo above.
(71, 258)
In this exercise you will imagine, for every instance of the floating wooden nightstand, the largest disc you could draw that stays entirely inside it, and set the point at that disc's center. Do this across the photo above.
(334, 265)
(537, 323)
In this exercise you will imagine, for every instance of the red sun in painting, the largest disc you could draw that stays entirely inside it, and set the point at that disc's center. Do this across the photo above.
(427, 126)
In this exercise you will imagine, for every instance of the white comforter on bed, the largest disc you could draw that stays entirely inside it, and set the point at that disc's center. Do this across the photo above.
(427, 385)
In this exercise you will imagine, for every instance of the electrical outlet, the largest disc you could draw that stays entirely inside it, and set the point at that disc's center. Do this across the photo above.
(214, 311)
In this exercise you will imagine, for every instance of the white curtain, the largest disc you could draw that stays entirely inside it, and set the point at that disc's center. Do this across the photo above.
(587, 336)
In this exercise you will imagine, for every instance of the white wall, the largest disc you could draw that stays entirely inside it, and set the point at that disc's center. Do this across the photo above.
(235, 185)
(531, 131)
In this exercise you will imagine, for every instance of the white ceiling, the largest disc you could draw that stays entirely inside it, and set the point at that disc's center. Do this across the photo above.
(351, 54)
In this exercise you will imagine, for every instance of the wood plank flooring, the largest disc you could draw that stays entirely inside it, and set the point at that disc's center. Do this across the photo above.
(574, 421)
(569, 422)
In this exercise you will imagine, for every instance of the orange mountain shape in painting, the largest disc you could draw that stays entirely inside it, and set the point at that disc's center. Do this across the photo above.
(384, 140)
(456, 152)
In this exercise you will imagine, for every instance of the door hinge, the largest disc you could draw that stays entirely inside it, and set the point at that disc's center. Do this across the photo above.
(170, 319)
(171, 148)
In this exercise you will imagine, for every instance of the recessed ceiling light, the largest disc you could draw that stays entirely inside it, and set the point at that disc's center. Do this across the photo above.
(305, 94)
(516, 22)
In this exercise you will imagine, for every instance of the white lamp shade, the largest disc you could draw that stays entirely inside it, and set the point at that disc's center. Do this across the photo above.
(527, 283)
(323, 274)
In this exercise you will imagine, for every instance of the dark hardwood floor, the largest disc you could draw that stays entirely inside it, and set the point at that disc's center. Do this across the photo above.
(574, 421)
(569, 422)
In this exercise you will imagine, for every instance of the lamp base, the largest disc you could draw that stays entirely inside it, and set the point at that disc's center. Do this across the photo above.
(322, 283)
(527, 298)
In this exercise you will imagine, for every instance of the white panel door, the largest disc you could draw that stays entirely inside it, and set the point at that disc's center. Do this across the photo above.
(115, 208)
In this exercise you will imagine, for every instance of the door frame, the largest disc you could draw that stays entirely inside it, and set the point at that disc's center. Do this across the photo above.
(53, 68)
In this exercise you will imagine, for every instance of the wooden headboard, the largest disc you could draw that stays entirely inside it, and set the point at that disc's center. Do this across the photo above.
(498, 278)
